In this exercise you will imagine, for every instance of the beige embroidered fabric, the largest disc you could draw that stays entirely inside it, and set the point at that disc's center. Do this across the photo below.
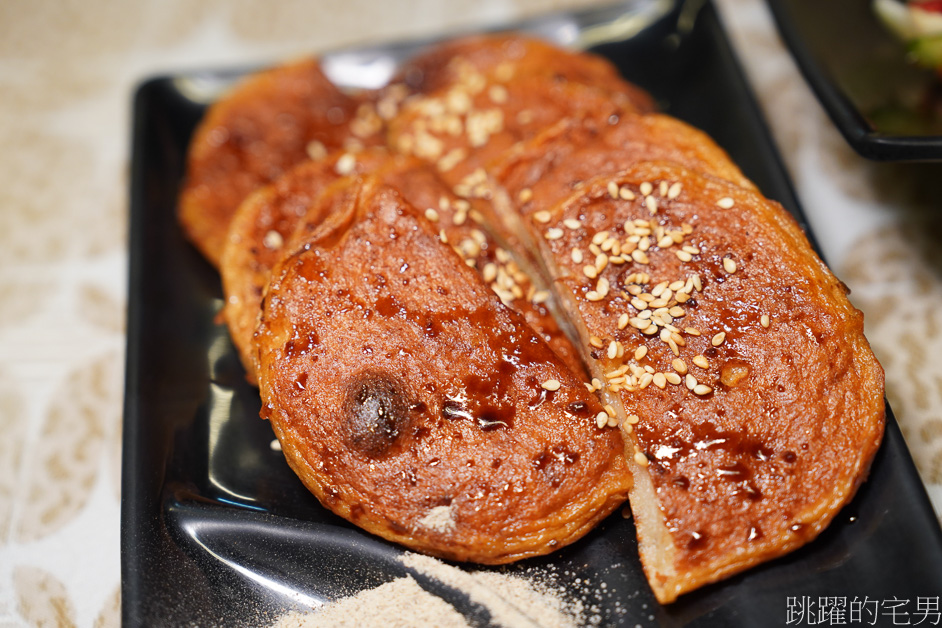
(67, 71)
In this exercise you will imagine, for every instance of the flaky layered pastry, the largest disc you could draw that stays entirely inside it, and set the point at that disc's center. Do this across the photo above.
(751, 402)
(404, 313)
(265, 125)
(413, 403)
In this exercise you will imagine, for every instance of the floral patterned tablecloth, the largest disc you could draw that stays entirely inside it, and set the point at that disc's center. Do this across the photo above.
(67, 73)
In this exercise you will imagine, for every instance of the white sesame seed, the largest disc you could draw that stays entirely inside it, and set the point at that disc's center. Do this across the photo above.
(613, 189)
(764, 321)
(590, 272)
(693, 331)
(701, 361)
(645, 381)
(674, 191)
(626, 194)
(572, 223)
(623, 320)
(595, 341)
(646, 188)
(601, 419)
(554, 233)
(672, 378)
(729, 265)
(431, 215)
(577, 256)
(702, 389)
(542, 216)
(612, 421)
(659, 380)
(662, 188)
(679, 365)
(683, 256)
(690, 381)
(273, 240)
(525, 195)
(641, 459)
(651, 203)
(725, 203)
(551, 384)
(718, 339)
(640, 352)
(345, 164)
(612, 350)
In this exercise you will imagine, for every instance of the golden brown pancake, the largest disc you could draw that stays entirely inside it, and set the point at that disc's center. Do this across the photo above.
(269, 122)
(539, 173)
(506, 57)
(462, 127)
(413, 403)
(281, 217)
(752, 402)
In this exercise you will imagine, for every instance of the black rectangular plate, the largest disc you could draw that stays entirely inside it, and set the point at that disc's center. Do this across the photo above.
(216, 530)
(885, 107)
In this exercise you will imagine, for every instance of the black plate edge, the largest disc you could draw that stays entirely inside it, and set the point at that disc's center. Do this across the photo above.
(853, 126)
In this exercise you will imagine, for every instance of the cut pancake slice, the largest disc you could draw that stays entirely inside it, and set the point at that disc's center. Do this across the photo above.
(280, 218)
(506, 57)
(543, 171)
(265, 125)
(413, 403)
(751, 402)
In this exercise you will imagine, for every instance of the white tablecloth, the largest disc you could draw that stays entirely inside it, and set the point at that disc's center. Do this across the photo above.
(67, 71)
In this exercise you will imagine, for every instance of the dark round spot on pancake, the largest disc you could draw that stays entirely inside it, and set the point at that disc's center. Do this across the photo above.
(376, 411)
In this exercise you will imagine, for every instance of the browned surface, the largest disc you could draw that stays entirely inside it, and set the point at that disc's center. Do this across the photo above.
(259, 235)
(253, 135)
(546, 169)
(483, 95)
(398, 384)
(759, 465)
(507, 57)
(281, 217)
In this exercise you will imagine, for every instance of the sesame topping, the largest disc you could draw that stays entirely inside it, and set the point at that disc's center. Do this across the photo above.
(273, 240)
(525, 195)
(572, 223)
(613, 189)
(641, 459)
(729, 265)
(674, 191)
(702, 389)
(577, 256)
(431, 215)
(680, 366)
(646, 188)
(345, 164)
(718, 339)
(640, 352)
(555, 233)
(542, 216)
(701, 361)
(316, 150)
(601, 419)
(725, 203)
(551, 385)
(764, 321)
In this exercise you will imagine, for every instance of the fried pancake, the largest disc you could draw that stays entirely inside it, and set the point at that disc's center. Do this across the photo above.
(413, 403)
(281, 217)
(750, 399)
(506, 57)
(543, 171)
(260, 229)
(269, 122)
(462, 127)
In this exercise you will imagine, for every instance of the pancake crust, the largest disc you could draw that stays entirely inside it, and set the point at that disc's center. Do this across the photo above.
(269, 122)
(543, 171)
(281, 217)
(506, 57)
(410, 400)
(751, 400)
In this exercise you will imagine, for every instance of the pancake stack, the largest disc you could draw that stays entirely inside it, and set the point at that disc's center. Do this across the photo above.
(490, 301)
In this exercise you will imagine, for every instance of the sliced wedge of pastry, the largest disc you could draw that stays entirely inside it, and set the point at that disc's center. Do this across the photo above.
(412, 402)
